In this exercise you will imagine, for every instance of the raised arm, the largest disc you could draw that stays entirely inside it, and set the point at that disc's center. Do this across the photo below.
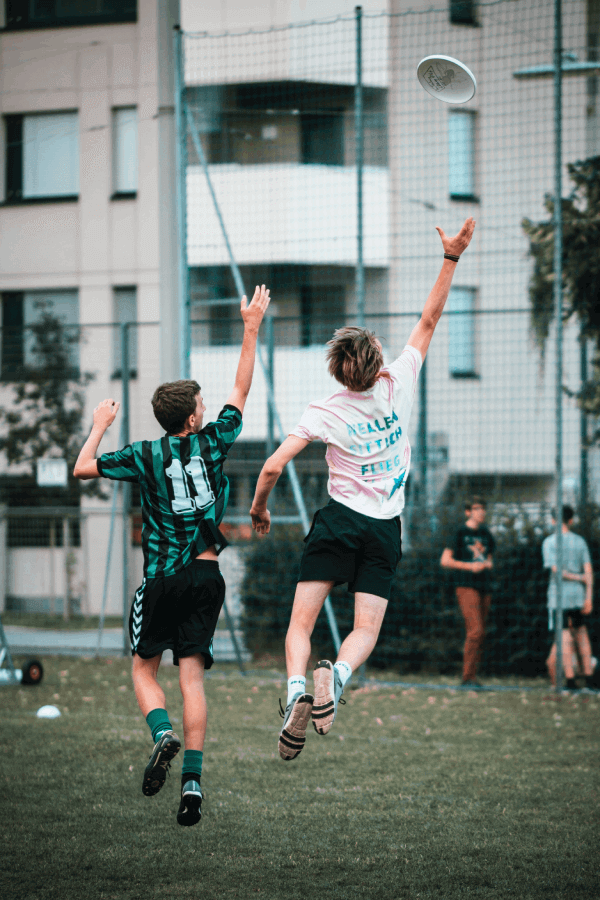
(104, 415)
(272, 469)
(432, 311)
(252, 314)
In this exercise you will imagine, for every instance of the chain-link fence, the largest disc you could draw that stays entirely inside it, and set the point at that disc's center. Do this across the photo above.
(313, 162)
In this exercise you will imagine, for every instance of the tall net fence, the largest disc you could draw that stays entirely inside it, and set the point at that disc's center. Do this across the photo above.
(318, 165)
(327, 187)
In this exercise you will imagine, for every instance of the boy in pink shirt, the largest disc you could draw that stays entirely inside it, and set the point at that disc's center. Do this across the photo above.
(356, 538)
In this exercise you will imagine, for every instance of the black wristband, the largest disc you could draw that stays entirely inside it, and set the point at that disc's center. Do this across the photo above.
(451, 256)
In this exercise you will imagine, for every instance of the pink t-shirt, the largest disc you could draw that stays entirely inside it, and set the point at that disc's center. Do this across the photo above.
(368, 452)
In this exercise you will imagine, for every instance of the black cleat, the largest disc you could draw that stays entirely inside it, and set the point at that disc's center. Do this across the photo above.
(190, 808)
(166, 748)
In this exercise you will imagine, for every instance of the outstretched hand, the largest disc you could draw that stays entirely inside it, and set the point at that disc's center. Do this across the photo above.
(261, 521)
(459, 243)
(253, 312)
(105, 413)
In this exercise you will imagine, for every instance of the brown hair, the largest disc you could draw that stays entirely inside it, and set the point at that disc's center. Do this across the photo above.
(173, 402)
(354, 358)
(475, 501)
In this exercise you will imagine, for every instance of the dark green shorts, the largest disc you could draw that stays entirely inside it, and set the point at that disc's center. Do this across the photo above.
(178, 612)
(347, 546)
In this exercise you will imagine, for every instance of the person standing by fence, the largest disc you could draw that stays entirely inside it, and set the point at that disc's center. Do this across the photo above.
(470, 558)
(577, 584)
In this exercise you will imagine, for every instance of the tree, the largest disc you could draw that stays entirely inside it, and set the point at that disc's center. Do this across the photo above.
(581, 269)
(44, 418)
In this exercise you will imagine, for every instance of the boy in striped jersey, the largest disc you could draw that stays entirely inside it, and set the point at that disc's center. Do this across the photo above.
(184, 496)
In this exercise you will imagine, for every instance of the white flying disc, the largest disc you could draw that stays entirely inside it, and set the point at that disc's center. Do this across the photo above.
(446, 78)
(48, 712)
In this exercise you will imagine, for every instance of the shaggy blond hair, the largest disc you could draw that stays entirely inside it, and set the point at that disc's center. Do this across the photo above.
(354, 358)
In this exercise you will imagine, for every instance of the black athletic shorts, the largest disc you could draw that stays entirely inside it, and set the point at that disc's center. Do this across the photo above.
(178, 612)
(576, 617)
(347, 546)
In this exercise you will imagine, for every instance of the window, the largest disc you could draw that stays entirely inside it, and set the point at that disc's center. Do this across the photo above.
(461, 155)
(323, 138)
(124, 156)
(461, 336)
(463, 12)
(124, 313)
(322, 308)
(20, 345)
(42, 157)
(54, 13)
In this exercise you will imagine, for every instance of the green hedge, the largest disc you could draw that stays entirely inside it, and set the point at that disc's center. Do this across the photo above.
(423, 629)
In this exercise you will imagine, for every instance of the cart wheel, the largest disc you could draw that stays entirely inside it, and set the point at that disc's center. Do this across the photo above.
(33, 672)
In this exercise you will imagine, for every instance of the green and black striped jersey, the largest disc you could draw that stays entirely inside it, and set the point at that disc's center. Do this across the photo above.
(184, 491)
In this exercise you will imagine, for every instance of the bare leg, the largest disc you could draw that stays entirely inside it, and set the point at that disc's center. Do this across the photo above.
(369, 611)
(148, 691)
(310, 597)
(585, 649)
(191, 682)
(567, 657)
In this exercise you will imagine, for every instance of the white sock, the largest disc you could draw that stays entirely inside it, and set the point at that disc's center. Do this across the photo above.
(344, 671)
(296, 685)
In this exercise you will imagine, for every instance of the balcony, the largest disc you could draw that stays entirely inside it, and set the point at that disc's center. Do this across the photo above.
(287, 213)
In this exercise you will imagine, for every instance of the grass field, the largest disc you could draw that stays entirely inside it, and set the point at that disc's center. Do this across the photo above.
(413, 794)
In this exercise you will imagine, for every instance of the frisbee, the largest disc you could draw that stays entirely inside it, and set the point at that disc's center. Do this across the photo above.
(446, 78)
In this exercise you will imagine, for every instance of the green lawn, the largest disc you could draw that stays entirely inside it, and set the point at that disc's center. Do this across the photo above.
(412, 795)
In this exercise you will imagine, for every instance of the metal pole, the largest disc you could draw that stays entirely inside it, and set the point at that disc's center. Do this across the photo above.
(271, 376)
(239, 286)
(423, 435)
(181, 207)
(359, 127)
(558, 304)
(583, 430)
(126, 490)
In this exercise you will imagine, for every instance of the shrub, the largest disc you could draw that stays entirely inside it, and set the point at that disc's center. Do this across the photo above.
(423, 629)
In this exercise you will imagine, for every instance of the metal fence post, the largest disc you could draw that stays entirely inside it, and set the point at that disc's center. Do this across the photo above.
(126, 490)
(558, 254)
(181, 206)
(271, 376)
(359, 126)
(66, 542)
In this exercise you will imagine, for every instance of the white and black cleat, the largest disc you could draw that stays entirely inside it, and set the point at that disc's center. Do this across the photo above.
(295, 722)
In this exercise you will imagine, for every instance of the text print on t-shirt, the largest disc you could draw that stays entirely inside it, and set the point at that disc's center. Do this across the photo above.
(360, 429)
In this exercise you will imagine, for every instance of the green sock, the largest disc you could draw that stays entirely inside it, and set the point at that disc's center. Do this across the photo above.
(192, 763)
(158, 722)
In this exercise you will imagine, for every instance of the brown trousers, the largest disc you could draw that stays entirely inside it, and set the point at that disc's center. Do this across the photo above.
(475, 607)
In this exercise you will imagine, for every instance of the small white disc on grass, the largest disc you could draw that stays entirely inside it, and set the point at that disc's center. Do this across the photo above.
(446, 78)
(48, 712)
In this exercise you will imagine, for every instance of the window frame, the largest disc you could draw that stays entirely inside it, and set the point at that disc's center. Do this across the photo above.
(15, 161)
(470, 316)
(118, 194)
(471, 174)
(17, 18)
(463, 12)
(132, 332)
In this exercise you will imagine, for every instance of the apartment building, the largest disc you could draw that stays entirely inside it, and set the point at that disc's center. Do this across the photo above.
(275, 112)
(87, 223)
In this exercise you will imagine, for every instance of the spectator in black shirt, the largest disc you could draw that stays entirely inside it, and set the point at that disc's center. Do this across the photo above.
(471, 559)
